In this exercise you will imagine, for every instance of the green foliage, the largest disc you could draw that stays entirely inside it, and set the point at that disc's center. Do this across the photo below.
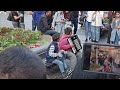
(12, 37)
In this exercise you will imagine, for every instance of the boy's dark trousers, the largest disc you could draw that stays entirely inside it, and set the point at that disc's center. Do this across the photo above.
(110, 30)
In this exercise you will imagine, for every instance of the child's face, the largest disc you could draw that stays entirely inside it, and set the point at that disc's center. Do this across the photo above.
(117, 15)
(70, 33)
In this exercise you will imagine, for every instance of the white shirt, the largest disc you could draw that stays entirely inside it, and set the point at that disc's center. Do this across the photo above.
(59, 16)
(98, 18)
(89, 16)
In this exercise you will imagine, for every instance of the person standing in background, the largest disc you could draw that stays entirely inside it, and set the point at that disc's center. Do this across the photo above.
(74, 16)
(110, 17)
(16, 19)
(97, 17)
(58, 22)
(36, 18)
(67, 17)
(88, 25)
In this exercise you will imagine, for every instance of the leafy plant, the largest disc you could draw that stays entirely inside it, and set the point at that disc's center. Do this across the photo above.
(12, 37)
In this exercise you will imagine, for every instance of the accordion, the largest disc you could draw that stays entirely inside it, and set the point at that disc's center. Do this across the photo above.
(74, 40)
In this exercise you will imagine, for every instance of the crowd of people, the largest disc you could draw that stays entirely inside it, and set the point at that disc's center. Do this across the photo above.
(58, 24)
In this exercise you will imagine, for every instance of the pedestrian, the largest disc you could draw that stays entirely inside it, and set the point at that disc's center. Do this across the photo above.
(115, 34)
(16, 19)
(54, 55)
(96, 24)
(44, 26)
(67, 18)
(74, 16)
(111, 15)
(88, 25)
(21, 63)
(36, 18)
(59, 22)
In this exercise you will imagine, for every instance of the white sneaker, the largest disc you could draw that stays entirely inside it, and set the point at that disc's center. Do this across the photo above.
(0, 12)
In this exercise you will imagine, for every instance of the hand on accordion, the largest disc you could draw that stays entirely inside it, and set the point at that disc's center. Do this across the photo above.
(72, 46)
(59, 55)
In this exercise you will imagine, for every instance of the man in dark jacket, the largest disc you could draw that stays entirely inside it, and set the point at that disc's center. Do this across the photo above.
(44, 26)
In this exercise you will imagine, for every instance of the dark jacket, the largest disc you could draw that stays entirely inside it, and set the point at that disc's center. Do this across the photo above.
(75, 14)
(43, 24)
(49, 58)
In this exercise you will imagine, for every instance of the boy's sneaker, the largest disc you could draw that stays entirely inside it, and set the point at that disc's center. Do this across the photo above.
(64, 75)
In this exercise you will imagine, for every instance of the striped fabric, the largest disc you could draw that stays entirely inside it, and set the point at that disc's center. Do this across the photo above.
(51, 51)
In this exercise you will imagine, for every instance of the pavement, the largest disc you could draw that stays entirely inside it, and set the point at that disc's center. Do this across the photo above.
(28, 26)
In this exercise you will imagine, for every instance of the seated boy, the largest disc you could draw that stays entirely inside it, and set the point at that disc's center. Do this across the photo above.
(65, 45)
(53, 54)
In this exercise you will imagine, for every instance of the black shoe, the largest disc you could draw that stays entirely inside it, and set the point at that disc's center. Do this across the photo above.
(112, 42)
(86, 40)
(93, 40)
(96, 41)
(89, 38)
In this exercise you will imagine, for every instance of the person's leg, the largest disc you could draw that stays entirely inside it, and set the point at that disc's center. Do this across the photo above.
(63, 28)
(50, 32)
(116, 39)
(113, 34)
(60, 64)
(97, 35)
(65, 65)
(75, 23)
(86, 30)
(109, 34)
(93, 32)
(89, 30)
(15, 24)
(33, 26)
(73, 60)
(58, 28)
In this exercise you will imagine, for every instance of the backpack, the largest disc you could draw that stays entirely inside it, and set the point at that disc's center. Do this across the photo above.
(9, 18)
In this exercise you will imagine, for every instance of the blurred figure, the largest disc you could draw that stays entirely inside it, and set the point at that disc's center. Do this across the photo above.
(74, 19)
(59, 22)
(21, 63)
(44, 26)
(97, 17)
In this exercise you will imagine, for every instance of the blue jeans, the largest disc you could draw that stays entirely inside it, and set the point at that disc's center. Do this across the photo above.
(88, 29)
(75, 23)
(116, 39)
(95, 30)
(34, 25)
(62, 65)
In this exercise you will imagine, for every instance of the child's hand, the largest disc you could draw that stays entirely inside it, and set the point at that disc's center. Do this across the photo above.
(72, 46)
(117, 27)
(59, 55)
(119, 43)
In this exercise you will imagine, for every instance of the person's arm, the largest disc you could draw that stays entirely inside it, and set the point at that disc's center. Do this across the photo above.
(15, 16)
(94, 15)
(52, 54)
(66, 47)
(51, 51)
(30, 12)
(113, 23)
(45, 23)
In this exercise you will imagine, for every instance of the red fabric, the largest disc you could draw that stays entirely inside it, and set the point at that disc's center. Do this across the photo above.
(66, 15)
(64, 44)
